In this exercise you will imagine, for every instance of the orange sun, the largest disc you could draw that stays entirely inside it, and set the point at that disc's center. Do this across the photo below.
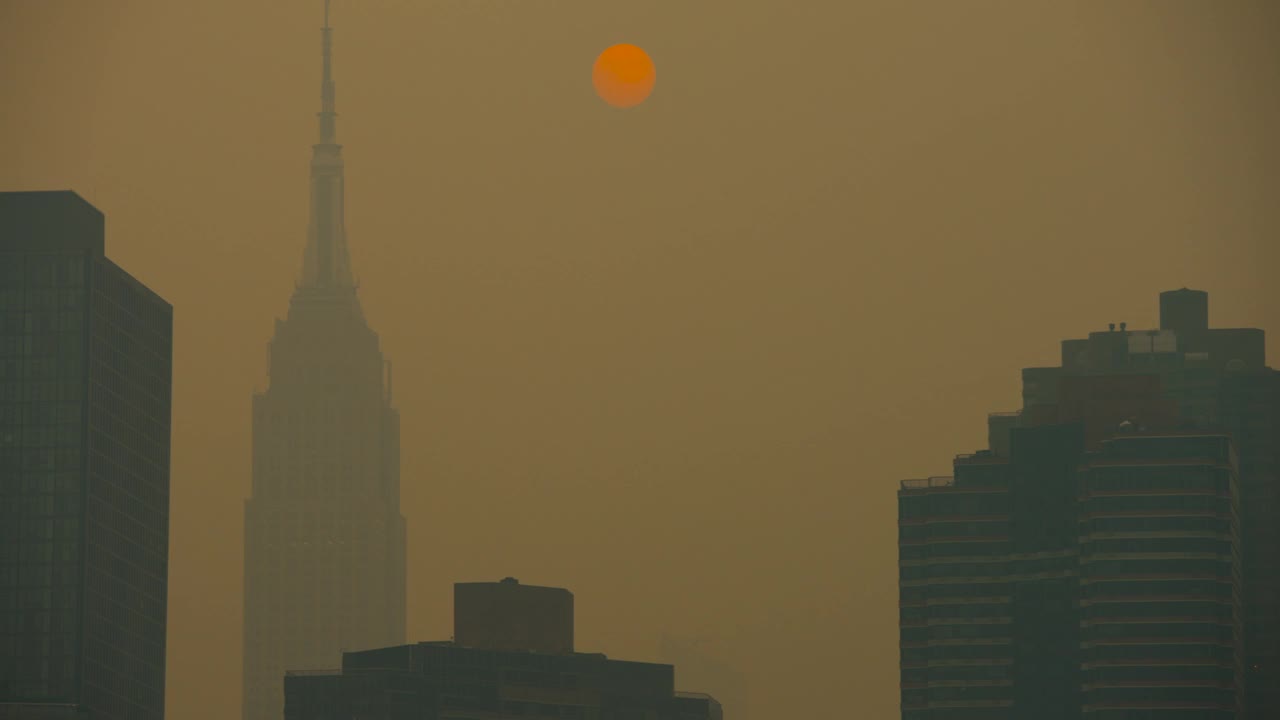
(623, 76)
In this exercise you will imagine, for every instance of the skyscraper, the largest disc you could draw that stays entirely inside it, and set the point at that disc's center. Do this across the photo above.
(324, 537)
(85, 388)
(1113, 553)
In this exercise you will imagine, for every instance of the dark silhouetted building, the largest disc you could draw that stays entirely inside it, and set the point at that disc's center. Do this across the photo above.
(1217, 378)
(324, 537)
(85, 387)
(450, 681)
(1113, 553)
(509, 616)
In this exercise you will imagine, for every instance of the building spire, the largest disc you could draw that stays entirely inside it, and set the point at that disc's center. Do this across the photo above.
(326, 263)
(328, 116)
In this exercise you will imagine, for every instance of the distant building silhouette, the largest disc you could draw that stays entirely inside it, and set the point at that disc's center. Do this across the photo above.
(1114, 552)
(453, 681)
(85, 391)
(706, 668)
(324, 537)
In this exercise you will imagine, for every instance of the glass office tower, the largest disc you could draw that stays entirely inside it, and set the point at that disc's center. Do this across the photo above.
(85, 387)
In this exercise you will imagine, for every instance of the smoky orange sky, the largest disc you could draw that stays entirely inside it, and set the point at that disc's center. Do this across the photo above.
(675, 359)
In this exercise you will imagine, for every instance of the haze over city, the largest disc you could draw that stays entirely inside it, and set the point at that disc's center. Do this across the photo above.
(676, 357)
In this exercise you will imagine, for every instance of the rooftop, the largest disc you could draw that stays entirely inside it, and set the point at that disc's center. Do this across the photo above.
(926, 483)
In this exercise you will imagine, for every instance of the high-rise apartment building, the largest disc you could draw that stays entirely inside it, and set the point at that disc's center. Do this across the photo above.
(324, 537)
(1113, 553)
(85, 392)
(1217, 378)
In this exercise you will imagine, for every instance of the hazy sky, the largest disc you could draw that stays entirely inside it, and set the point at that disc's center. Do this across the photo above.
(674, 358)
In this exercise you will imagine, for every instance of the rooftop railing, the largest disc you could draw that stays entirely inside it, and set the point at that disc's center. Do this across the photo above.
(926, 483)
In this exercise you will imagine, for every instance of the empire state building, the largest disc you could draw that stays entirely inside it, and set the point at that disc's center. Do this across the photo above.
(324, 537)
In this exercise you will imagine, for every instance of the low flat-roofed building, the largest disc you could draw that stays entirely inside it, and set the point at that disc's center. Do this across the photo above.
(451, 681)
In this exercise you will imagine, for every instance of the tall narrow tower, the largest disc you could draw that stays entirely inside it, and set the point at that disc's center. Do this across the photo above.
(324, 538)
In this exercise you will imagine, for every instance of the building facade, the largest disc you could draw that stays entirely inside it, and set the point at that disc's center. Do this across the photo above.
(451, 681)
(324, 537)
(1251, 412)
(1161, 612)
(85, 398)
(988, 581)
